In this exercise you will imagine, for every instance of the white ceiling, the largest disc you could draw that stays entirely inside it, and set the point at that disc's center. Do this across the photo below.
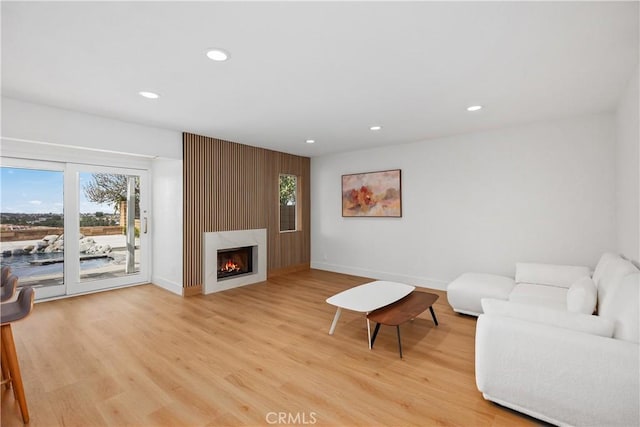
(325, 71)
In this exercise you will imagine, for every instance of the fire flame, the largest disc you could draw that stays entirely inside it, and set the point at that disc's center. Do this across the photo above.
(230, 267)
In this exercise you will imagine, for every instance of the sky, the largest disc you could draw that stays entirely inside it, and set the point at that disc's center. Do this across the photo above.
(38, 191)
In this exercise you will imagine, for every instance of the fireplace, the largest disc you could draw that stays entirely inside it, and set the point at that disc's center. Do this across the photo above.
(234, 262)
(233, 258)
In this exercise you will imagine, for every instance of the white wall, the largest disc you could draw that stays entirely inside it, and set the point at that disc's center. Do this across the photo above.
(34, 122)
(476, 202)
(627, 175)
(160, 150)
(167, 224)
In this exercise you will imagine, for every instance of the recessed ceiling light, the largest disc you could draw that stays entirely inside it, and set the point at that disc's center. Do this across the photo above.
(310, 141)
(150, 95)
(375, 127)
(217, 55)
(474, 108)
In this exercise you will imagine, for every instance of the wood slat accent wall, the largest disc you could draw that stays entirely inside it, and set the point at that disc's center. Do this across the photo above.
(230, 186)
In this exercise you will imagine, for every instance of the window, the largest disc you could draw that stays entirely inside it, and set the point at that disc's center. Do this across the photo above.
(32, 224)
(288, 202)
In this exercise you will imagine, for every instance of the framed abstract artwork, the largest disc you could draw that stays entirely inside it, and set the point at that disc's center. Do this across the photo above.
(374, 194)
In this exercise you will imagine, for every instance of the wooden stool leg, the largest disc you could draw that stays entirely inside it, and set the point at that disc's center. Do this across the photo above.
(6, 378)
(9, 349)
(9, 379)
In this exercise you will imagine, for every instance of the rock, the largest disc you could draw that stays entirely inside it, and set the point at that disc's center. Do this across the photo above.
(6, 253)
(17, 251)
(86, 244)
(52, 243)
(99, 249)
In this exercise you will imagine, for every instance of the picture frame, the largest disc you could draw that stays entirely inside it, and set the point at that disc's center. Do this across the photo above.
(372, 194)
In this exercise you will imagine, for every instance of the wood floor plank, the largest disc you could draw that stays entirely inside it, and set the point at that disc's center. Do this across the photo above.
(141, 356)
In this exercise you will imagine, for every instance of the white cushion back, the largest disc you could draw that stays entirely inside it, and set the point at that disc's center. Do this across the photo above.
(549, 274)
(582, 296)
(604, 259)
(622, 305)
(612, 273)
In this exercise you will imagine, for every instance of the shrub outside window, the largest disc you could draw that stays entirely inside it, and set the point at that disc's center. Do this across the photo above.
(288, 202)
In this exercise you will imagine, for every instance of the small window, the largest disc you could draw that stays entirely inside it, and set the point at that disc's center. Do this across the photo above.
(288, 202)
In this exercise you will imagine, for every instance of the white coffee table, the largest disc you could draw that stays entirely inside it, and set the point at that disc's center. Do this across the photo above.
(366, 298)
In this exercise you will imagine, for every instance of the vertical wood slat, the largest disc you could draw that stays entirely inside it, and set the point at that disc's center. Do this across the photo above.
(230, 186)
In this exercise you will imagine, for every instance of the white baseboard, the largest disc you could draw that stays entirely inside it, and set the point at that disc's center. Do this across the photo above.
(422, 282)
(170, 286)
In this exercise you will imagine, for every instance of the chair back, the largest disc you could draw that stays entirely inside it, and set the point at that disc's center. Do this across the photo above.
(20, 308)
(6, 272)
(8, 288)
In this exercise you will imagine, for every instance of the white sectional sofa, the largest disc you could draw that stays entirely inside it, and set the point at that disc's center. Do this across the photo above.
(542, 284)
(543, 355)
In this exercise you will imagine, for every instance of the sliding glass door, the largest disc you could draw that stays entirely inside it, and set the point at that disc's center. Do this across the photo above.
(110, 217)
(74, 228)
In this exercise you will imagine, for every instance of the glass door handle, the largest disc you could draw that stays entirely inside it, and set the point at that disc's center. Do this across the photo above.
(145, 224)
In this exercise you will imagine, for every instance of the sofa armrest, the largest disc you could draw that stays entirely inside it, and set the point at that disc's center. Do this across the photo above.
(578, 322)
(550, 274)
(556, 374)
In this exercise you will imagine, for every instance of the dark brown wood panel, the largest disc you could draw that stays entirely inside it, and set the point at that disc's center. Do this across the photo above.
(230, 186)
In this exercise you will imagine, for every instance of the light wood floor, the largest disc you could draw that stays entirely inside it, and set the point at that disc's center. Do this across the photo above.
(142, 356)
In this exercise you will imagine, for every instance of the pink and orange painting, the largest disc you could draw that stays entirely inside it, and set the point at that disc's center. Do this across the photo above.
(376, 194)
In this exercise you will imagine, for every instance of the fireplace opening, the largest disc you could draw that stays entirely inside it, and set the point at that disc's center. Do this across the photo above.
(235, 262)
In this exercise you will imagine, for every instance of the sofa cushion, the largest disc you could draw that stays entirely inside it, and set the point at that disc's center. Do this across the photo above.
(622, 305)
(612, 273)
(604, 259)
(582, 296)
(549, 274)
(579, 322)
(465, 292)
(548, 296)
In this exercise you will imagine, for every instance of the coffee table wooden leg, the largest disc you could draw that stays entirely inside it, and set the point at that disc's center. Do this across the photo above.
(433, 314)
(375, 334)
(335, 321)
(399, 341)
(368, 333)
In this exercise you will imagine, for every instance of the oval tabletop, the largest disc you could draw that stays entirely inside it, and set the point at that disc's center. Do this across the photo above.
(370, 296)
